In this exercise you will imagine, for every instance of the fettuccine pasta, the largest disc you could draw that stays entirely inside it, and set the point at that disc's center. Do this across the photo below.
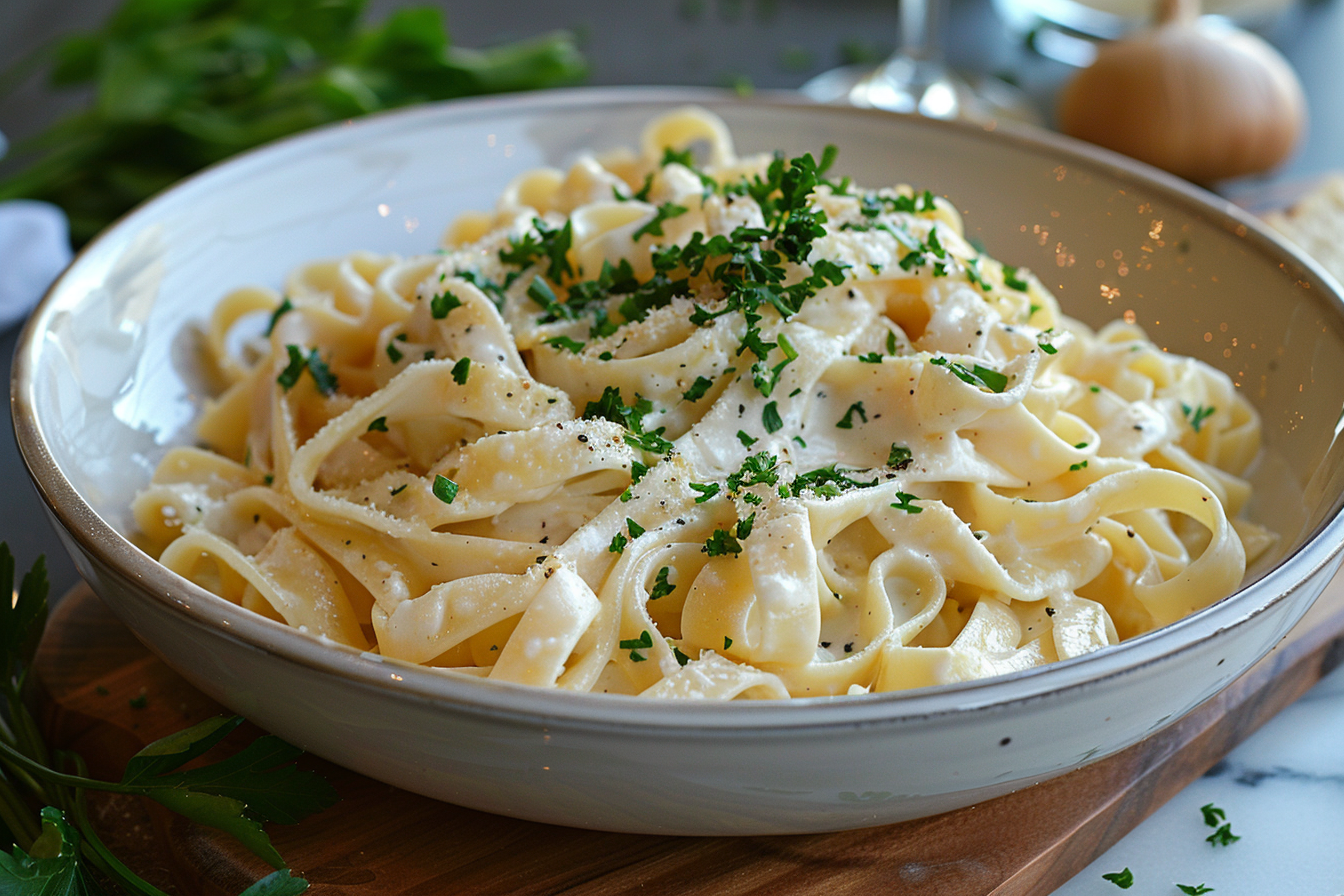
(726, 428)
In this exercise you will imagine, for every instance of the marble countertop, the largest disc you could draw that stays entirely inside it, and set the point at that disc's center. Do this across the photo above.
(1283, 789)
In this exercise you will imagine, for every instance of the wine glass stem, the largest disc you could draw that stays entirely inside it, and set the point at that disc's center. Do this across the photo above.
(921, 26)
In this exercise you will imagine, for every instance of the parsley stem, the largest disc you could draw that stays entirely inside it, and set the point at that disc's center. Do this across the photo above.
(13, 757)
(108, 863)
(17, 816)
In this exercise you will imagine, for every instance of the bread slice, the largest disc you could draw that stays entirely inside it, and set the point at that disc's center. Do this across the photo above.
(1316, 223)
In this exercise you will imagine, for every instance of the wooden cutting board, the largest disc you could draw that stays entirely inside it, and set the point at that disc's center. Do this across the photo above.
(106, 696)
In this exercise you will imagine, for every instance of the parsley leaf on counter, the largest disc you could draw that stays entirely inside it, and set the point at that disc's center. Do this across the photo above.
(55, 851)
(1122, 879)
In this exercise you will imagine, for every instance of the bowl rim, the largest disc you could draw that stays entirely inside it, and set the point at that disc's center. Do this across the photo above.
(209, 613)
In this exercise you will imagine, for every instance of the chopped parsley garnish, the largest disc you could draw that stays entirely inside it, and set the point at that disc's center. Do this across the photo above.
(721, 542)
(665, 212)
(611, 407)
(1194, 890)
(828, 482)
(378, 424)
(1122, 879)
(289, 377)
(460, 371)
(284, 308)
(744, 526)
(1213, 816)
(899, 457)
(635, 528)
(661, 587)
(727, 642)
(1223, 836)
(634, 645)
(1196, 415)
(322, 376)
(758, 469)
(746, 440)
(770, 418)
(698, 389)
(1045, 346)
(549, 243)
(871, 358)
(1081, 465)
(492, 289)
(903, 502)
(398, 490)
(847, 421)
(564, 342)
(394, 354)
(1012, 281)
(441, 303)
(707, 490)
(984, 377)
(681, 658)
(445, 489)
(618, 543)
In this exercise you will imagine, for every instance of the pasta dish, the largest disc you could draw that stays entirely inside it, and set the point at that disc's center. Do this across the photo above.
(681, 423)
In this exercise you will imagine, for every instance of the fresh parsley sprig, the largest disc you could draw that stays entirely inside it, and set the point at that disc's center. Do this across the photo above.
(59, 850)
(181, 85)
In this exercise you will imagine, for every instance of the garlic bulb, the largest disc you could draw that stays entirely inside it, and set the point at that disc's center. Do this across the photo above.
(1204, 101)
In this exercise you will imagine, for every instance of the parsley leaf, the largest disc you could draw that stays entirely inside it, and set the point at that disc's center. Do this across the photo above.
(903, 502)
(1194, 890)
(900, 457)
(1197, 415)
(721, 542)
(654, 227)
(770, 418)
(284, 308)
(378, 424)
(441, 303)
(698, 389)
(444, 488)
(847, 422)
(661, 587)
(1122, 879)
(707, 490)
(460, 371)
(984, 377)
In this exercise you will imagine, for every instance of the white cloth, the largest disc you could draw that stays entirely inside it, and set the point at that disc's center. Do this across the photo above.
(34, 249)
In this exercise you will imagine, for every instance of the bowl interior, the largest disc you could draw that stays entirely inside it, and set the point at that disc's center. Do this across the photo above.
(109, 371)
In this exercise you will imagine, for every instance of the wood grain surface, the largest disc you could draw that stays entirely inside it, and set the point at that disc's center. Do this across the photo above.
(106, 696)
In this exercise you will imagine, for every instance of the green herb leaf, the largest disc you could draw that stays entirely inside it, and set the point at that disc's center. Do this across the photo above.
(984, 377)
(284, 308)
(1197, 415)
(394, 354)
(54, 868)
(847, 421)
(444, 488)
(707, 490)
(899, 457)
(654, 227)
(440, 304)
(770, 418)
(903, 502)
(746, 440)
(460, 371)
(298, 362)
(698, 389)
(727, 642)
(1223, 836)
(1194, 890)
(1011, 280)
(1122, 879)
(377, 424)
(721, 542)
(1213, 816)
(661, 587)
(564, 342)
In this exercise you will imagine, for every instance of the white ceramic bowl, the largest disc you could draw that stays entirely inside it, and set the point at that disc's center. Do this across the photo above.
(102, 384)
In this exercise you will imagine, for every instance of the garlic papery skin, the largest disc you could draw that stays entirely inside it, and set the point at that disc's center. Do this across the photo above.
(1202, 99)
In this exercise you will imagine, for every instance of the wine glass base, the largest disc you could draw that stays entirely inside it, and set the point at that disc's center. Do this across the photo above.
(926, 88)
